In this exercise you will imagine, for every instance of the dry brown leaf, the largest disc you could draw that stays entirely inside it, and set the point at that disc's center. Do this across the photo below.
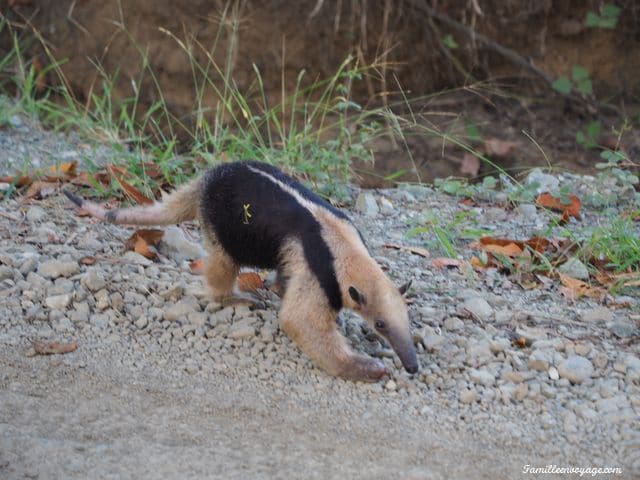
(197, 266)
(88, 260)
(142, 240)
(130, 191)
(250, 282)
(62, 171)
(572, 209)
(41, 189)
(498, 148)
(51, 348)
(574, 288)
(443, 262)
(17, 181)
(470, 164)
(423, 252)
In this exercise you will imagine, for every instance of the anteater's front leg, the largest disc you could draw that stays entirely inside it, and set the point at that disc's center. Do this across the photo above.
(309, 321)
(221, 273)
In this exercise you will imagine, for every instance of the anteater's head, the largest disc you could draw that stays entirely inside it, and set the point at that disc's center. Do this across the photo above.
(383, 306)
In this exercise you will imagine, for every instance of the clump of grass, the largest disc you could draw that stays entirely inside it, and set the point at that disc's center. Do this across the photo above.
(315, 133)
(618, 242)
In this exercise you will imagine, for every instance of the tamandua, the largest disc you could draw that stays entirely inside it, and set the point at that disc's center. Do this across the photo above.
(252, 214)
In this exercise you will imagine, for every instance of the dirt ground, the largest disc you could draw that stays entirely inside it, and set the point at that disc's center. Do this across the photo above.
(100, 422)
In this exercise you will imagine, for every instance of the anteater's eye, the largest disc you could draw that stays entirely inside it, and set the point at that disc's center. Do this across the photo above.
(380, 325)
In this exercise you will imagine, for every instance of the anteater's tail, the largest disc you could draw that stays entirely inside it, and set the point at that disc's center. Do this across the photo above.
(179, 206)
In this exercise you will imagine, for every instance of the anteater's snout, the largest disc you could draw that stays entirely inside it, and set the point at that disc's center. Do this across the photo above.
(412, 368)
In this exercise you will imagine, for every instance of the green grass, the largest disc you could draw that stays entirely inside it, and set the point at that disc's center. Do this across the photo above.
(618, 241)
(315, 133)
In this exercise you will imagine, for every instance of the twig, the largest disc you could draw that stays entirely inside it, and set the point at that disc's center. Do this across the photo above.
(511, 55)
(9, 216)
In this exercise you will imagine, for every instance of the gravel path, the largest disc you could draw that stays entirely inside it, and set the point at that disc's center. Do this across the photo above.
(166, 384)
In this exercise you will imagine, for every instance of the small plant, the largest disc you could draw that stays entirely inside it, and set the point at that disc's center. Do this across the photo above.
(589, 137)
(580, 82)
(607, 18)
(449, 42)
(448, 233)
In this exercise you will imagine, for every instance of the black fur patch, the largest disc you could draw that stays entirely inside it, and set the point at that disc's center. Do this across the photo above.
(73, 197)
(111, 215)
(253, 217)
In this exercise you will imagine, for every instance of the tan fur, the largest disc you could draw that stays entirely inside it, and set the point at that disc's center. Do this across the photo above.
(307, 318)
(179, 206)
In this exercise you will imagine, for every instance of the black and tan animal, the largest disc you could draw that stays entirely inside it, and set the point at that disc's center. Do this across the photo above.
(252, 214)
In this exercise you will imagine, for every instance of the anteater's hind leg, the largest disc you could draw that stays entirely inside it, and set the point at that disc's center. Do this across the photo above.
(221, 273)
(309, 321)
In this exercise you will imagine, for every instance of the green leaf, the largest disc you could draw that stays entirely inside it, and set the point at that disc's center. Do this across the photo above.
(611, 11)
(594, 129)
(580, 138)
(608, 23)
(450, 42)
(452, 187)
(473, 132)
(562, 85)
(592, 20)
(489, 182)
(578, 73)
(585, 87)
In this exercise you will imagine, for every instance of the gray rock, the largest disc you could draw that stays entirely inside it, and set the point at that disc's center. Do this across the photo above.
(597, 314)
(133, 258)
(93, 280)
(453, 323)
(366, 204)
(546, 182)
(142, 322)
(482, 377)
(58, 302)
(623, 329)
(478, 307)
(176, 245)
(386, 207)
(432, 342)
(468, 395)
(574, 268)
(391, 386)
(6, 273)
(57, 268)
(29, 264)
(540, 360)
(528, 211)
(198, 318)
(241, 331)
(553, 373)
(576, 369)
(179, 310)
(36, 214)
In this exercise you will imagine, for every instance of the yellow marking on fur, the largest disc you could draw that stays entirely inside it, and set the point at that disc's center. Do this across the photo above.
(247, 213)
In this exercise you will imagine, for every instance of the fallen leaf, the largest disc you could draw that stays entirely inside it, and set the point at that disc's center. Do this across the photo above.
(470, 164)
(88, 260)
(17, 181)
(498, 148)
(574, 288)
(250, 282)
(197, 266)
(143, 240)
(443, 262)
(521, 342)
(423, 252)
(62, 171)
(41, 189)
(556, 204)
(129, 190)
(51, 348)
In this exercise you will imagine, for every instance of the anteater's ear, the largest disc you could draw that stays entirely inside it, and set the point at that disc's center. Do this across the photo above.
(357, 296)
(405, 288)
